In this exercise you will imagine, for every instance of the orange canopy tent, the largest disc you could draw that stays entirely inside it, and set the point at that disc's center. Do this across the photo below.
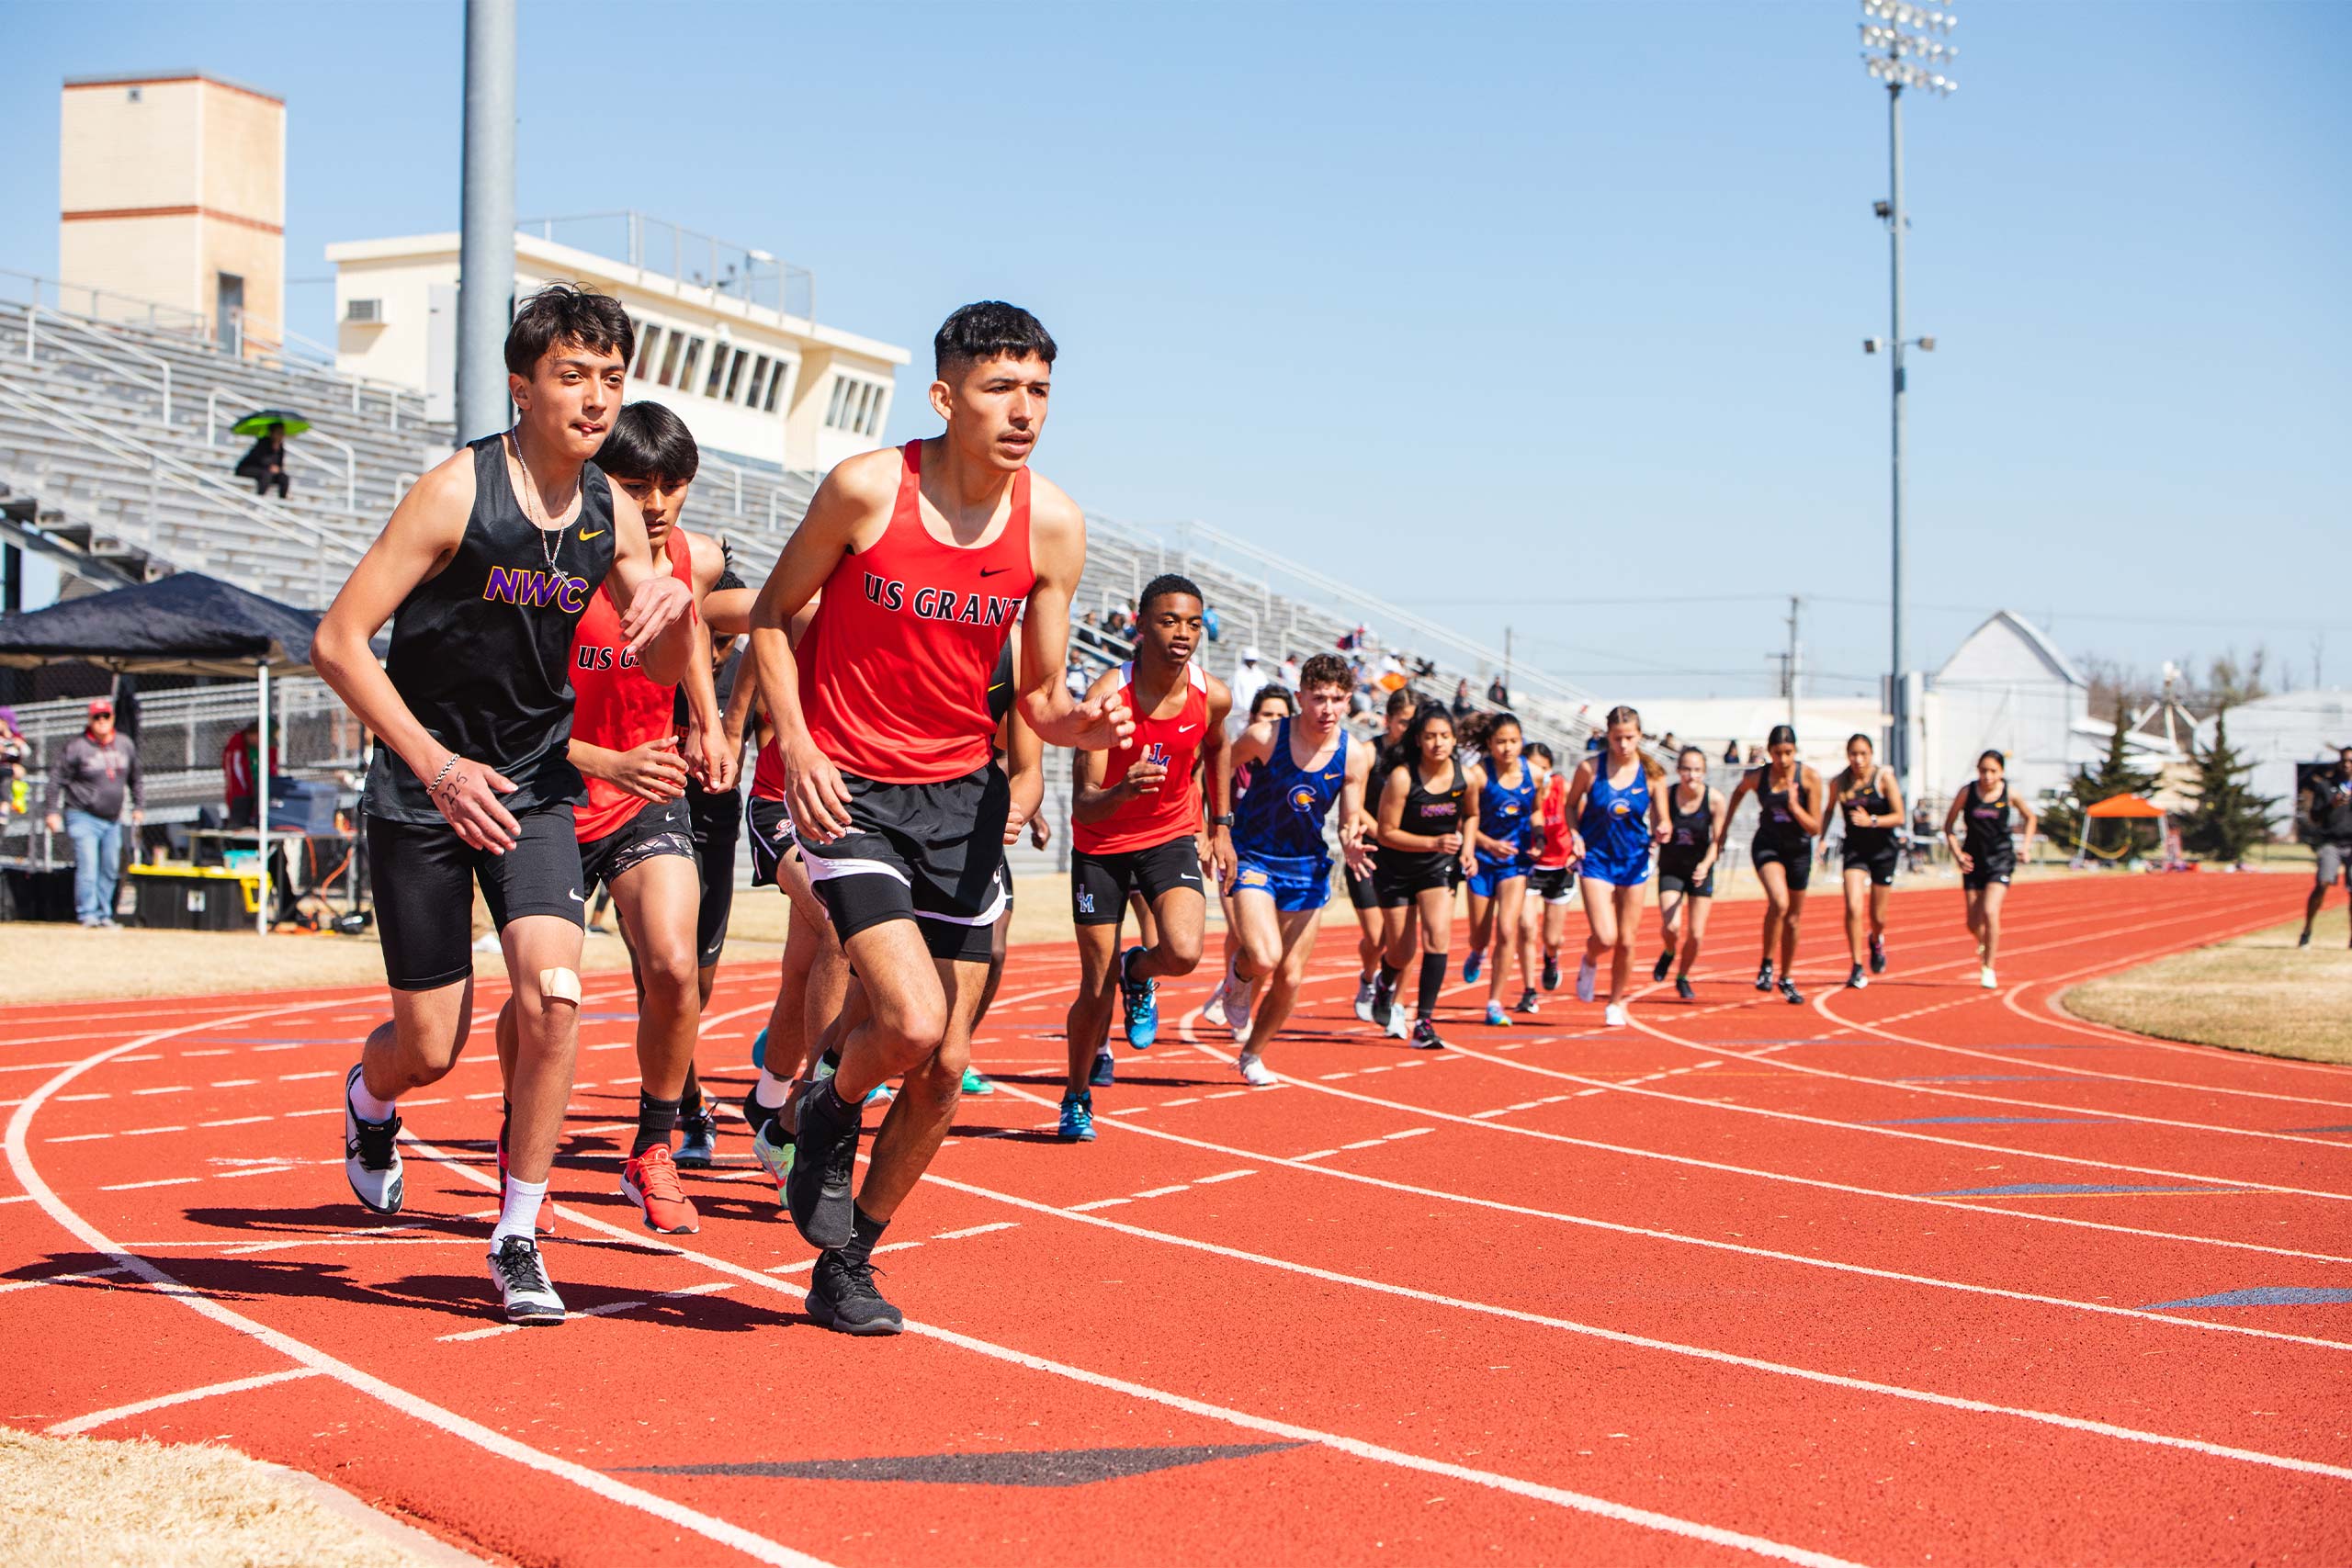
(2125, 808)
(2130, 806)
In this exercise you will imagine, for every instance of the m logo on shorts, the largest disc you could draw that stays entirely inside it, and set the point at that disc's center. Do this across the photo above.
(1086, 901)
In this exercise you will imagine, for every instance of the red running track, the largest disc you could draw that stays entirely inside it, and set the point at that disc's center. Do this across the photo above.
(1921, 1272)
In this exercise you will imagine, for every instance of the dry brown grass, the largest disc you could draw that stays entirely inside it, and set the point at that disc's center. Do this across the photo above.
(2254, 993)
(86, 1502)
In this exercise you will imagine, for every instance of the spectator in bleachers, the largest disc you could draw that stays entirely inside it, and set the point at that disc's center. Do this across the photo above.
(1730, 752)
(1290, 672)
(1077, 679)
(1248, 677)
(1209, 621)
(15, 765)
(1462, 702)
(240, 760)
(1498, 694)
(86, 791)
(264, 462)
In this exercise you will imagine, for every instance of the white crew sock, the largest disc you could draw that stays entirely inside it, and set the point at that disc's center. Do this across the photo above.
(771, 1090)
(369, 1108)
(520, 1213)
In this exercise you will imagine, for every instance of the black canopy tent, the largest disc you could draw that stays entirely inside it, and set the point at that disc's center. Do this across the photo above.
(186, 624)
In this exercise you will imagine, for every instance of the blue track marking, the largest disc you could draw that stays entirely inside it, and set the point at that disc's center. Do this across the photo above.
(2340, 1127)
(2067, 1188)
(1993, 1122)
(2260, 1296)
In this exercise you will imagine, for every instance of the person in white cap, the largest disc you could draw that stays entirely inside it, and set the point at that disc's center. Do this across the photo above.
(1245, 680)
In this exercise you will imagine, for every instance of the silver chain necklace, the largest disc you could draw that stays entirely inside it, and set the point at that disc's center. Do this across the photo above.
(531, 495)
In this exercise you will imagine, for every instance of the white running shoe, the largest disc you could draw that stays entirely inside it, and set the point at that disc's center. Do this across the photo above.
(1364, 999)
(523, 1279)
(1586, 971)
(1213, 1009)
(1985, 978)
(1255, 1073)
(1237, 1004)
(1614, 1017)
(371, 1154)
(1400, 1024)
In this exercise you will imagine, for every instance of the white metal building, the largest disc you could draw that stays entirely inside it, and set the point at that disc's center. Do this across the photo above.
(2276, 732)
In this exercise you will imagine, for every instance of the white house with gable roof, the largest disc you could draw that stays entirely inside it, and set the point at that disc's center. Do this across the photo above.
(2007, 687)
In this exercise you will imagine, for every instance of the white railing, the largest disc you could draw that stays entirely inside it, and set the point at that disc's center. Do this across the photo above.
(350, 453)
(69, 323)
(656, 247)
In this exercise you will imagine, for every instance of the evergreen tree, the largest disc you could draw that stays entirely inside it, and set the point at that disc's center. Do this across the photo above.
(2229, 818)
(2114, 776)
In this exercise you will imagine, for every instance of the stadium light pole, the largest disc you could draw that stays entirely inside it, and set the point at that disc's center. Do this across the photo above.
(1902, 46)
(486, 240)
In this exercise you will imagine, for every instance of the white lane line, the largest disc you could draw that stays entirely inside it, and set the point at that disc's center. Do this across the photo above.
(1408, 1133)
(1224, 1176)
(1673, 1347)
(71, 1098)
(58, 1279)
(1316, 1154)
(80, 1137)
(1101, 1204)
(145, 1131)
(1171, 1104)
(1365, 1144)
(255, 1171)
(122, 1412)
(1823, 1184)
(165, 1088)
(233, 1083)
(215, 1051)
(978, 1230)
(1744, 1249)
(1163, 1191)
(235, 1122)
(159, 1181)
(323, 1072)
(1356, 1447)
(20, 1122)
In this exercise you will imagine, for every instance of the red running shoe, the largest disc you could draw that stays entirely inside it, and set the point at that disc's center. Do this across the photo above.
(651, 1181)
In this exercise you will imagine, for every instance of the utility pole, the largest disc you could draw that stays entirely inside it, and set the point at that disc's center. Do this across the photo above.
(486, 240)
(1797, 660)
(1505, 658)
(1902, 47)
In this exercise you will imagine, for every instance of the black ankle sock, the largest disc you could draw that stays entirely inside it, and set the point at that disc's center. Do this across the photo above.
(865, 1231)
(656, 1120)
(832, 1057)
(1433, 982)
(1388, 973)
(690, 1102)
(824, 1103)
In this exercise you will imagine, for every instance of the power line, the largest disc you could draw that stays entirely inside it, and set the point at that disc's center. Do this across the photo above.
(2258, 622)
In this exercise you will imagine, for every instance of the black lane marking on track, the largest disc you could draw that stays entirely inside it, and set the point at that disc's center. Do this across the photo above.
(1062, 1467)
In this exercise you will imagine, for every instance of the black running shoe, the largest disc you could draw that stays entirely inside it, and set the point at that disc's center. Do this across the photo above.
(1551, 971)
(1665, 965)
(698, 1139)
(1856, 979)
(1877, 956)
(824, 1166)
(841, 1296)
(1425, 1036)
(1789, 990)
(2304, 939)
(1527, 1002)
(1383, 1002)
(1683, 988)
(1764, 975)
(756, 1116)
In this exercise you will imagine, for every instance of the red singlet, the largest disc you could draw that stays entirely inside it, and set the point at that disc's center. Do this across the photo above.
(1172, 812)
(907, 636)
(613, 704)
(1552, 822)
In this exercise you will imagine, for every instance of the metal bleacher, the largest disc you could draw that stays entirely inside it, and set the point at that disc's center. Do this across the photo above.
(116, 459)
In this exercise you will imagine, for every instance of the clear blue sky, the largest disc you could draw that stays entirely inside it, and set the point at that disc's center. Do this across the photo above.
(1470, 303)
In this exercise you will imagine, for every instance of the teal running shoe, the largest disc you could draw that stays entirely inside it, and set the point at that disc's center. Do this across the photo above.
(1077, 1118)
(760, 1048)
(1471, 966)
(1140, 998)
(975, 1084)
(1105, 1070)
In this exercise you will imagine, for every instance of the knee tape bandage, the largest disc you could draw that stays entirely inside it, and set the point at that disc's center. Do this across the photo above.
(559, 986)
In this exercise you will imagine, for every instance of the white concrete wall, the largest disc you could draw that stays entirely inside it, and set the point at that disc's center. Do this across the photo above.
(2277, 732)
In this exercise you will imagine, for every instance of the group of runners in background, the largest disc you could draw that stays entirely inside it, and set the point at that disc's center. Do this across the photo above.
(565, 706)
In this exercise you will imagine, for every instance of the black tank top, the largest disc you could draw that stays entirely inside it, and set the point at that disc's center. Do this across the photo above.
(482, 653)
(1867, 843)
(1987, 828)
(1431, 812)
(1777, 826)
(1692, 831)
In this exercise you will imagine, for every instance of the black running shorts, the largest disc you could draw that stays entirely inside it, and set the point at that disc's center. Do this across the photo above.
(1406, 874)
(1880, 863)
(1989, 872)
(927, 852)
(1675, 875)
(660, 828)
(773, 839)
(424, 876)
(717, 821)
(1099, 885)
(1797, 861)
(1553, 883)
(1363, 892)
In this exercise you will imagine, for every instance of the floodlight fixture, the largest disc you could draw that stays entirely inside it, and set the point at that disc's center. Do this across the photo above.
(1927, 345)
(1869, 345)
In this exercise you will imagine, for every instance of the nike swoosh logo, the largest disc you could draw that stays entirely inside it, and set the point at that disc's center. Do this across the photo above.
(576, 899)
(993, 570)
(1185, 729)
(597, 535)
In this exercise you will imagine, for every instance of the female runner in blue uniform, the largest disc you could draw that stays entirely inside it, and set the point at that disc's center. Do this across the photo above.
(1618, 817)
(1788, 801)
(1497, 878)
